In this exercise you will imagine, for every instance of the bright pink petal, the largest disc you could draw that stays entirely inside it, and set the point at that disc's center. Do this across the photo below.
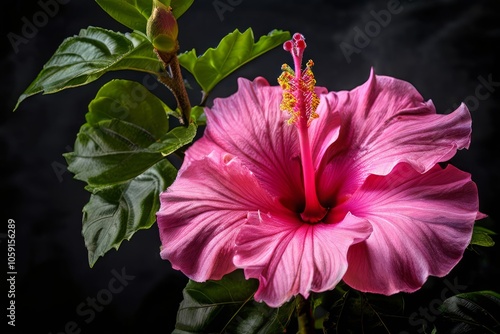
(385, 122)
(290, 257)
(324, 130)
(201, 214)
(421, 226)
(250, 125)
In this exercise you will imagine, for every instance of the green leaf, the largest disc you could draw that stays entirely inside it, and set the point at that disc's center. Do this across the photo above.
(130, 102)
(116, 213)
(120, 153)
(179, 7)
(227, 306)
(233, 51)
(134, 14)
(345, 310)
(198, 115)
(123, 137)
(473, 312)
(82, 59)
(481, 237)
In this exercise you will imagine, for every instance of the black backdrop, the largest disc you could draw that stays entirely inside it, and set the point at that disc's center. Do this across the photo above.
(446, 49)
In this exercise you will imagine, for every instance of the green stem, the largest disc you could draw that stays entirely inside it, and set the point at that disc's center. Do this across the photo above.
(304, 316)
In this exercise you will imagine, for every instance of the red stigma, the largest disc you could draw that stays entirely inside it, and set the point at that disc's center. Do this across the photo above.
(296, 45)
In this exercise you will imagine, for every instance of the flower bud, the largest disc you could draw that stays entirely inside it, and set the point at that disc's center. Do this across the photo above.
(162, 28)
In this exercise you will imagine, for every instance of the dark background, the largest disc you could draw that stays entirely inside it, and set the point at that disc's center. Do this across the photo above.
(442, 47)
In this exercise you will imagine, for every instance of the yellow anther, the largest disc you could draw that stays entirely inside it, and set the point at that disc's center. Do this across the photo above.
(299, 91)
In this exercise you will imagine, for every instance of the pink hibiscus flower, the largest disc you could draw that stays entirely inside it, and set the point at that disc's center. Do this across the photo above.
(343, 185)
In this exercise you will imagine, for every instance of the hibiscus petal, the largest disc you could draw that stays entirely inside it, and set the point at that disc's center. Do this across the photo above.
(385, 122)
(290, 257)
(250, 125)
(324, 130)
(421, 226)
(201, 214)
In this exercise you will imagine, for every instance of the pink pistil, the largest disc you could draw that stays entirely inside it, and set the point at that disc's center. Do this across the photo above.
(303, 110)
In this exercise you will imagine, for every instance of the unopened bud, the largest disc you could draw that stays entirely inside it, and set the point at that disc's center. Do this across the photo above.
(162, 28)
